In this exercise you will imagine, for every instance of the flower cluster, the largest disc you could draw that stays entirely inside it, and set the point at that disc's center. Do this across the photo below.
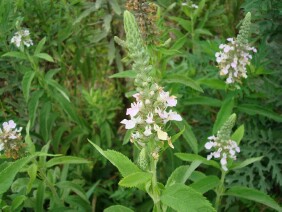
(232, 60)
(22, 37)
(190, 4)
(222, 149)
(9, 139)
(149, 114)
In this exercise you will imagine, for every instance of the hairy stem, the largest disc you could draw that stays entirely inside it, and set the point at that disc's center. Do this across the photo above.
(155, 188)
(219, 191)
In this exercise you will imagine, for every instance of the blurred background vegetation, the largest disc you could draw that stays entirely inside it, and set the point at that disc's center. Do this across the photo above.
(79, 36)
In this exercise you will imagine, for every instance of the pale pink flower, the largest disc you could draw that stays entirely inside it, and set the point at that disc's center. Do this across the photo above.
(135, 108)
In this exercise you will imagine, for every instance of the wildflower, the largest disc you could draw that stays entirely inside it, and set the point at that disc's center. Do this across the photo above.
(10, 139)
(233, 59)
(194, 6)
(22, 37)
(235, 55)
(222, 149)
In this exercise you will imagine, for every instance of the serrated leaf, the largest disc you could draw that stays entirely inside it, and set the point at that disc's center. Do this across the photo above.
(223, 114)
(182, 174)
(26, 83)
(181, 198)
(192, 157)
(238, 134)
(254, 195)
(44, 56)
(205, 184)
(184, 81)
(32, 172)
(239, 165)
(125, 74)
(8, 174)
(118, 208)
(135, 179)
(123, 163)
(66, 160)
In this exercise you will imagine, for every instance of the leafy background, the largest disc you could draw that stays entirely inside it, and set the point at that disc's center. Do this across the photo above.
(72, 97)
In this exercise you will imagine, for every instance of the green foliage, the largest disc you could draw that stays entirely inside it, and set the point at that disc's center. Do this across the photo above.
(181, 197)
(254, 195)
(71, 85)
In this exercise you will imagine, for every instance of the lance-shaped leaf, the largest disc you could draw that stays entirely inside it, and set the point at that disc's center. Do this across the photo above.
(183, 198)
(123, 163)
(254, 195)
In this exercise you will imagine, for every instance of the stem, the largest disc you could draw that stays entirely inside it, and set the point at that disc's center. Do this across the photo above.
(219, 191)
(155, 189)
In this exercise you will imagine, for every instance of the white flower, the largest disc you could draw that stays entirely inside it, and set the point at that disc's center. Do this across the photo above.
(233, 59)
(22, 37)
(209, 145)
(194, 6)
(148, 130)
(135, 108)
(149, 119)
(173, 116)
(8, 126)
(129, 124)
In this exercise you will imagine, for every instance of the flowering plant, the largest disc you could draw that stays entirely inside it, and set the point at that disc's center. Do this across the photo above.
(234, 56)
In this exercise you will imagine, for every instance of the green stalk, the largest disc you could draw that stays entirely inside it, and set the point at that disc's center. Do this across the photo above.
(219, 191)
(155, 188)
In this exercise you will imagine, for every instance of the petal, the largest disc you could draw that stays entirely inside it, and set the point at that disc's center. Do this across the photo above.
(209, 145)
(162, 135)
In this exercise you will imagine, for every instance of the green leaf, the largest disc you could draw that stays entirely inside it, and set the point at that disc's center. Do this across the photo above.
(18, 55)
(184, 81)
(125, 74)
(188, 135)
(40, 193)
(181, 197)
(135, 179)
(26, 83)
(223, 114)
(33, 104)
(192, 157)
(239, 165)
(66, 160)
(203, 100)
(205, 184)
(256, 109)
(118, 208)
(238, 134)
(74, 187)
(44, 56)
(254, 195)
(8, 174)
(182, 174)
(115, 6)
(40, 46)
(213, 83)
(123, 163)
(18, 201)
(58, 87)
(32, 172)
